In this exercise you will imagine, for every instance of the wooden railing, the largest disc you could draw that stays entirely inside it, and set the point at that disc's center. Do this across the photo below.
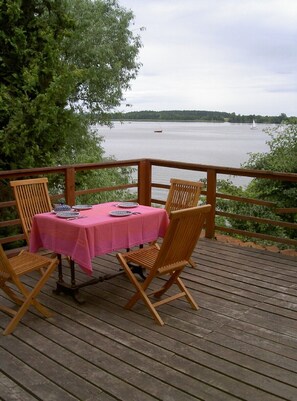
(143, 186)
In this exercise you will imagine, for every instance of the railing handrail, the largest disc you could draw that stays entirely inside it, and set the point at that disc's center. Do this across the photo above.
(242, 172)
(156, 162)
(144, 185)
(57, 169)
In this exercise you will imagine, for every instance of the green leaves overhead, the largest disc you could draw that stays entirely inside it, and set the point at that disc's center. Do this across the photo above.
(64, 64)
(102, 53)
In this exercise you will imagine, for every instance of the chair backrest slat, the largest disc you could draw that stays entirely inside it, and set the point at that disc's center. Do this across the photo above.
(31, 197)
(182, 194)
(181, 236)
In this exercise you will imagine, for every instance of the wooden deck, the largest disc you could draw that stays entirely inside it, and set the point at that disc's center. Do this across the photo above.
(240, 345)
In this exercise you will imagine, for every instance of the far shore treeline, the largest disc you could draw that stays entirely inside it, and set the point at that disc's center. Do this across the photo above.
(197, 115)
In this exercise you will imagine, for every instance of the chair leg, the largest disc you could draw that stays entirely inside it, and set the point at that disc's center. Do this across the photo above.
(140, 292)
(15, 320)
(167, 285)
(175, 279)
(140, 287)
(30, 299)
(189, 297)
(31, 296)
(12, 295)
(8, 310)
(23, 309)
(192, 263)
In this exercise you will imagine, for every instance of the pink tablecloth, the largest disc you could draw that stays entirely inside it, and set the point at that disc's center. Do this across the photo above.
(98, 233)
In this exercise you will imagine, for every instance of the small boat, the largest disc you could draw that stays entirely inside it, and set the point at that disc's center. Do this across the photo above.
(254, 125)
(158, 130)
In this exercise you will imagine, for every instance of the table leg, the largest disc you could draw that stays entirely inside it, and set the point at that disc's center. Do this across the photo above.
(72, 289)
(60, 270)
(137, 270)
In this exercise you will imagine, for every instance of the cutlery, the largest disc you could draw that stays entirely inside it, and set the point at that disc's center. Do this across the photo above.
(76, 217)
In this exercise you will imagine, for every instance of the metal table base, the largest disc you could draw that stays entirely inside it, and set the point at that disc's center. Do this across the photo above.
(72, 288)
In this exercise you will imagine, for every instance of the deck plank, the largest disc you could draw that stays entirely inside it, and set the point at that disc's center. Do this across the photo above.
(240, 345)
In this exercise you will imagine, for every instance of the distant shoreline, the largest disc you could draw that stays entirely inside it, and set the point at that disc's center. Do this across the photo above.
(170, 121)
(196, 116)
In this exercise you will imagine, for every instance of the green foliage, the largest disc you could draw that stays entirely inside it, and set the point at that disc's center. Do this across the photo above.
(238, 118)
(281, 157)
(101, 178)
(64, 66)
(33, 91)
(102, 53)
(283, 150)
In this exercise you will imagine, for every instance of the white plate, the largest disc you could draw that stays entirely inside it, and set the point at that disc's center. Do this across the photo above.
(128, 204)
(67, 215)
(82, 207)
(120, 213)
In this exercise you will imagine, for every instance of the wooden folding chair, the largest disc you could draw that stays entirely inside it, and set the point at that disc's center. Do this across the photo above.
(167, 260)
(32, 197)
(11, 271)
(182, 194)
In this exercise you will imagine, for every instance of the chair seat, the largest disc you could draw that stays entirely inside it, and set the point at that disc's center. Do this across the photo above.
(27, 262)
(146, 258)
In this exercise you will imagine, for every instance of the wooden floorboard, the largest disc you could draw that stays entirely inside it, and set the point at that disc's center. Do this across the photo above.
(240, 345)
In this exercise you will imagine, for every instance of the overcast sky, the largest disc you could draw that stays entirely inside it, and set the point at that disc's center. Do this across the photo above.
(226, 55)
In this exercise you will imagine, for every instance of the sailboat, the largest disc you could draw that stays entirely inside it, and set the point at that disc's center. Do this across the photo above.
(254, 125)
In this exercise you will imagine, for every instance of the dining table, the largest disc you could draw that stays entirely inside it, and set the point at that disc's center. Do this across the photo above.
(88, 231)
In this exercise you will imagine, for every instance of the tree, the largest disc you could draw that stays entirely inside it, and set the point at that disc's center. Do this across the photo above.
(34, 80)
(102, 54)
(282, 157)
(64, 66)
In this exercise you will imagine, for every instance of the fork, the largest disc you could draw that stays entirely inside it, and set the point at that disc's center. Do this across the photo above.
(75, 218)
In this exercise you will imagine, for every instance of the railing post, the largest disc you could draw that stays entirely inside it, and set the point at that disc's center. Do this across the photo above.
(211, 199)
(70, 186)
(144, 182)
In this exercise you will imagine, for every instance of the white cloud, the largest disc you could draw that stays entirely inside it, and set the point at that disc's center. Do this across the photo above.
(226, 55)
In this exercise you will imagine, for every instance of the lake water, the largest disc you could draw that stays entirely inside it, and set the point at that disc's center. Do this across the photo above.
(221, 144)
